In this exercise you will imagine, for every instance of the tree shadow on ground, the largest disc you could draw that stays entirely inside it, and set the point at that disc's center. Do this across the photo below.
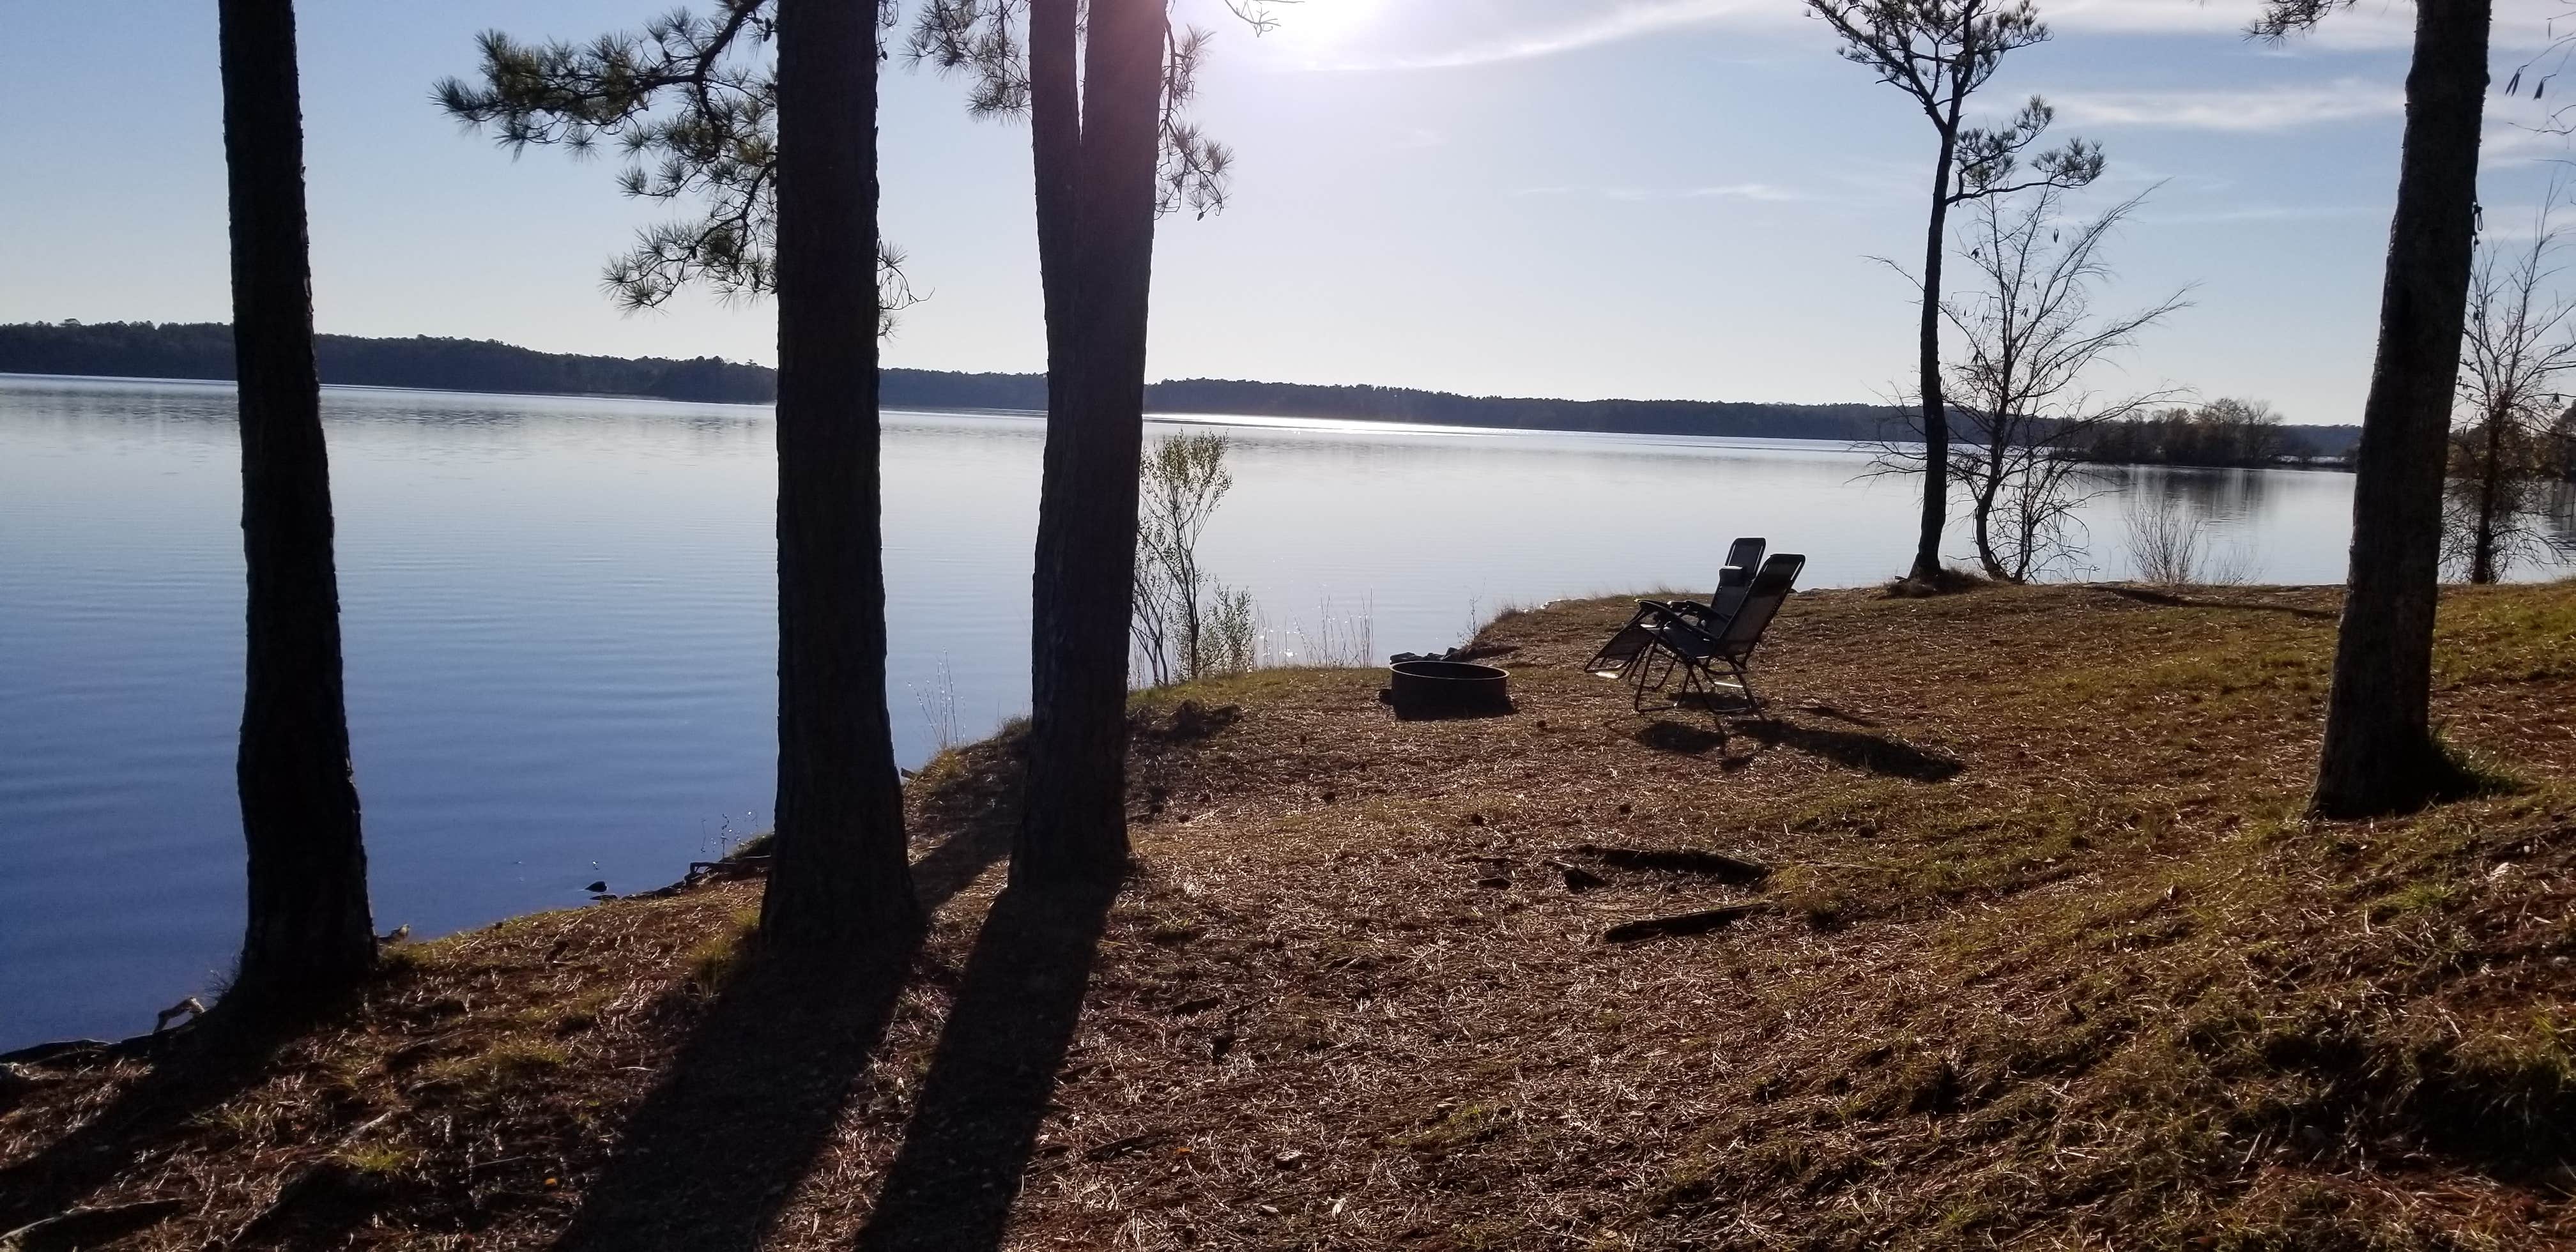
(716, 1150)
(960, 859)
(993, 1076)
(2167, 599)
(1879, 754)
(1827, 710)
(212, 1062)
(1681, 738)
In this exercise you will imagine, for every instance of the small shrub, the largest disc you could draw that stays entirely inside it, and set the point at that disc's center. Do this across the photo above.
(384, 1158)
(717, 959)
(1467, 1124)
(505, 1064)
(2169, 546)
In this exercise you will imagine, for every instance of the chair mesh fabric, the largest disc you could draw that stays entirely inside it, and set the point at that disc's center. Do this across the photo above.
(1734, 580)
(1762, 602)
(1741, 557)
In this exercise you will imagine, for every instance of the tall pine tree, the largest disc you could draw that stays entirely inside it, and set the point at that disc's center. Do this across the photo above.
(309, 933)
(2379, 754)
(784, 160)
(1102, 85)
(840, 875)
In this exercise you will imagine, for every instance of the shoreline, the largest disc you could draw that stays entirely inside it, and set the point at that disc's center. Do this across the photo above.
(1319, 421)
(2032, 918)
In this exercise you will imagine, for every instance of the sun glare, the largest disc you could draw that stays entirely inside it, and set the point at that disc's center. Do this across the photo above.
(1327, 23)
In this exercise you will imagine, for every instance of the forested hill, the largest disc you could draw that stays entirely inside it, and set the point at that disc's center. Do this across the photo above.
(204, 350)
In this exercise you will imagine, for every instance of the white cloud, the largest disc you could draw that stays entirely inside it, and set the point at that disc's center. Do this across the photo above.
(1743, 191)
(1763, 192)
(2368, 24)
(1593, 25)
(2280, 108)
(2259, 213)
(1448, 37)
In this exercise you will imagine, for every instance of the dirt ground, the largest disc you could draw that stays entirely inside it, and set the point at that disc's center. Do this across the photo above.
(2039, 952)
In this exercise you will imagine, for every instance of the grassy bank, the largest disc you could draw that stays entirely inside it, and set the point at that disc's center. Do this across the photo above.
(2044, 956)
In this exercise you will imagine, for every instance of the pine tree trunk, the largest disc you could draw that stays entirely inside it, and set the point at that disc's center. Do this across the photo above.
(1099, 274)
(309, 933)
(2379, 754)
(1936, 413)
(840, 880)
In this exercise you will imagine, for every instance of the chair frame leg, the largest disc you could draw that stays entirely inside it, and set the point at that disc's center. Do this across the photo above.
(1648, 677)
(1655, 667)
(1744, 683)
(1702, 681)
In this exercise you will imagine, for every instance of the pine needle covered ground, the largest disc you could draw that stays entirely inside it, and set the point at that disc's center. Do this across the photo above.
(2045, 957)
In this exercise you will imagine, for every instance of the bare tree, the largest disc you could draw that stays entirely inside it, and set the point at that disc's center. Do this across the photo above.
(2379, 754)
(1104, 86)
(767, 112)
(310, 933)
(1940, 52)
(1181, 613)
(2518, 339)
(2030, 342)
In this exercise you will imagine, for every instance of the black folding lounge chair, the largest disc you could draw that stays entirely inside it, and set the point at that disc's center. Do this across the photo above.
(1625, 648)
(1682, 647)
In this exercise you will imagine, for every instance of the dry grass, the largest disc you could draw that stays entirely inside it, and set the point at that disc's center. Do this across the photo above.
(2054, 962)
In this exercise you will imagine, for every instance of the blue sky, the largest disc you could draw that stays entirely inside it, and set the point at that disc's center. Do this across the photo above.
(1654, 198)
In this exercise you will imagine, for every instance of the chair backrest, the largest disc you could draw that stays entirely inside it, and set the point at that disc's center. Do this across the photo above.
(1734, 580)
(1761, 602)
(1741, 556)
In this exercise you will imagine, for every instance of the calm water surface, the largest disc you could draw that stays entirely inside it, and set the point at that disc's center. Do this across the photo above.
(560, 640)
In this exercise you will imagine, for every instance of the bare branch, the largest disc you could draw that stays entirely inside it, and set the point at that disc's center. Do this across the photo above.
(2029, 340)
(2518, 339)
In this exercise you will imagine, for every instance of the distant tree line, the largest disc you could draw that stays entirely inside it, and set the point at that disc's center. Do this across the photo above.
(1851, 422)
(2222, 433)
(205, 350)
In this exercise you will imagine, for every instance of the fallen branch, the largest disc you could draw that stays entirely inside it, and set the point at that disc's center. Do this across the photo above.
(730, 867)
(1578, 878)
(1695, 923)
(49, 1053)
(1717, 865)
(90, 1227)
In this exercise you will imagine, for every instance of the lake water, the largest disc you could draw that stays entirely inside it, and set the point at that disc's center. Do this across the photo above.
(560, 641)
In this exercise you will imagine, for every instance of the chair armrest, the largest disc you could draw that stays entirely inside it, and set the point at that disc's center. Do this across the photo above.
(1671, 618)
